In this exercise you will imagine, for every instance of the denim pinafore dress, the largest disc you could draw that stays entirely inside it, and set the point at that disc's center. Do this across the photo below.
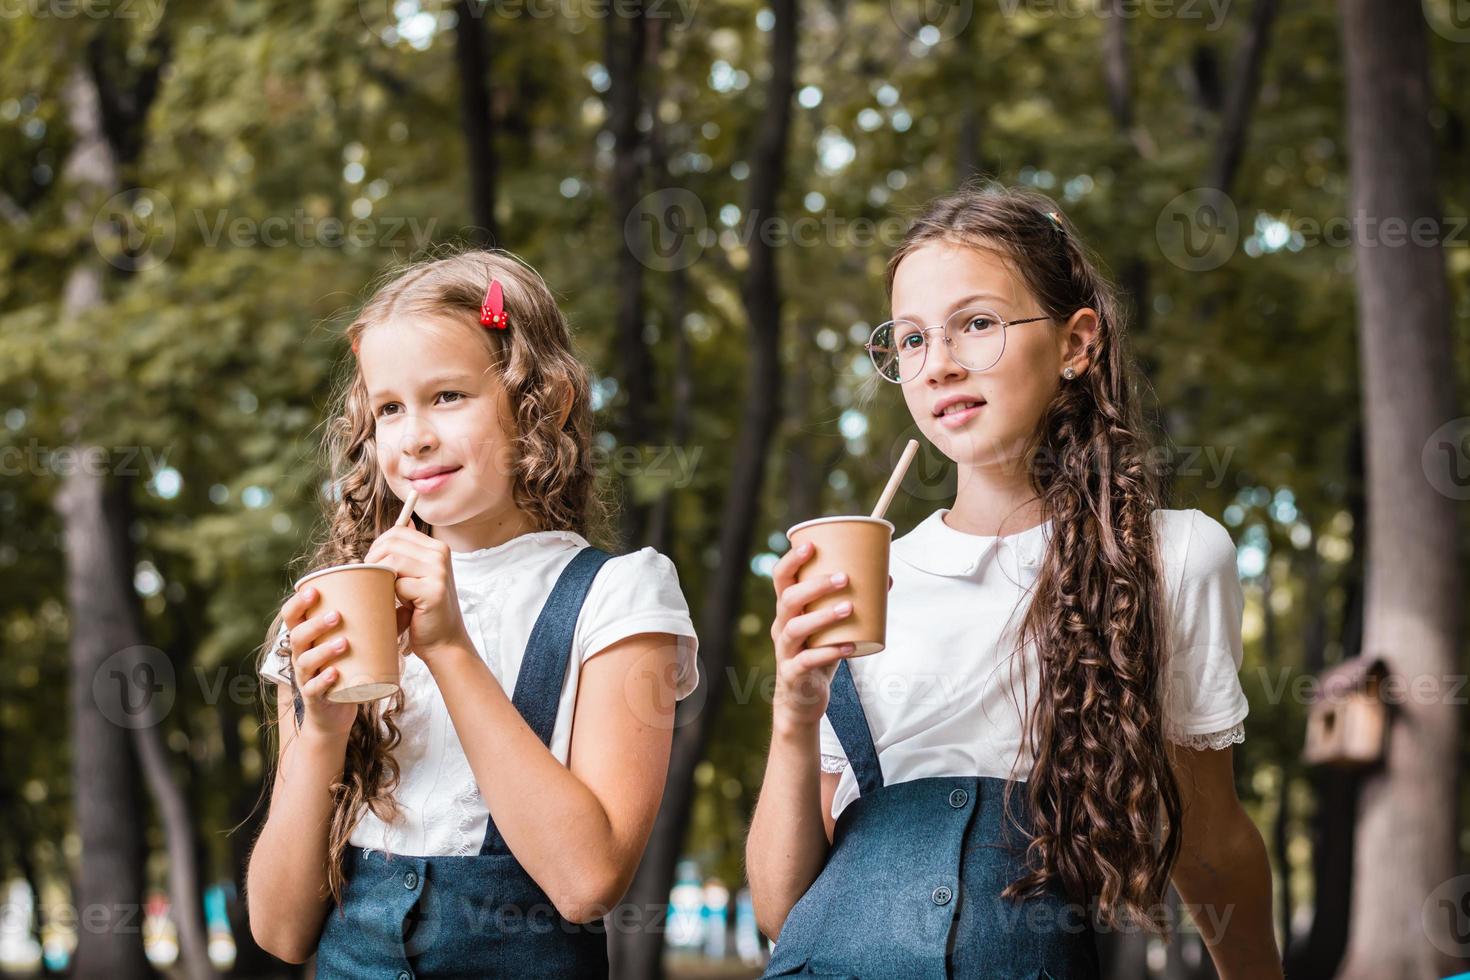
(477, 915)
(912, 885)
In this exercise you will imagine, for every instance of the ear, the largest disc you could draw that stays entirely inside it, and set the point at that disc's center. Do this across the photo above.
(1078, 337)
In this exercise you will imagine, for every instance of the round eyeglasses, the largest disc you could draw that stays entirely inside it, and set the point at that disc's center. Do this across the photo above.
(976, 337)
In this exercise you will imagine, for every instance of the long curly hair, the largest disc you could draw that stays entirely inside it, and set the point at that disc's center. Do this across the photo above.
(553, 477)
(1104, 803)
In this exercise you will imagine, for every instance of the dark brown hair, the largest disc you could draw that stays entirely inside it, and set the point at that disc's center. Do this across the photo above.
(553, 479)
(1104, 803)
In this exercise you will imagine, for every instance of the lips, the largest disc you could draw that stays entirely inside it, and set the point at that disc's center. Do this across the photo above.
(955, 411)
(430, 478)
(956, 403)
(958, 407)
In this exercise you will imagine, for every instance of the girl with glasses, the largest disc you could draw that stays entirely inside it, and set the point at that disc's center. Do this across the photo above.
(1045, 743)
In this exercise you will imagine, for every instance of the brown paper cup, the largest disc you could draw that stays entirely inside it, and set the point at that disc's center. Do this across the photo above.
(859, 547)
(365, 596)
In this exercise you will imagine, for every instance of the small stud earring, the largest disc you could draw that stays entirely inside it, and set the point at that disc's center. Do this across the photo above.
(1069, 373)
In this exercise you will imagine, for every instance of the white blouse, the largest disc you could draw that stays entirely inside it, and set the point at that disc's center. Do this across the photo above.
(945, 697)
(501, 591)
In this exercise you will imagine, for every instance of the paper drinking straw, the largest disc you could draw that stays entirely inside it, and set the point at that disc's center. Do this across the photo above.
(406, 514)
(897, 477)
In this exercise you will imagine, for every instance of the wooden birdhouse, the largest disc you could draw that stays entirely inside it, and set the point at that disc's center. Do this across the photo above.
(1348, 721)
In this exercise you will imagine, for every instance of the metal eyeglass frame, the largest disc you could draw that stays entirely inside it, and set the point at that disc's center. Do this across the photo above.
(872, 348)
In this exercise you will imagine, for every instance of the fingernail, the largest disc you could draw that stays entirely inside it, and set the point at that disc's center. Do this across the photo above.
(333, 616)
(839, 579)
(848, 647)
(843, 608)
(340, 642)
(805, 548)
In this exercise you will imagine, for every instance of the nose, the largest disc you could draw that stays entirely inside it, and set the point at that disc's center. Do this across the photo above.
(416, 435)
(939, 362)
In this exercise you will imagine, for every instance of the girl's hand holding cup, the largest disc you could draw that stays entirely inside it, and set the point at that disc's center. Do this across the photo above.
(803, 677)
(859, 544)
(425, 586)
(312, 663)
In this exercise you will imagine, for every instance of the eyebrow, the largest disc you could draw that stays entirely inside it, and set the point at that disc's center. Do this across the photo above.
(435, 382)
(956, 305)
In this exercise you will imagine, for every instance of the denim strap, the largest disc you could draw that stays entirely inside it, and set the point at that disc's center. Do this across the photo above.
(544, 665)
(845, 712)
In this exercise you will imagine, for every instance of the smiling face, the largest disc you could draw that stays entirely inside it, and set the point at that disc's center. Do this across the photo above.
(982, 417)
(442, 423)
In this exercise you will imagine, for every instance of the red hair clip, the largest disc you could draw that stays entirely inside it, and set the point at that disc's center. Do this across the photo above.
(492, 310)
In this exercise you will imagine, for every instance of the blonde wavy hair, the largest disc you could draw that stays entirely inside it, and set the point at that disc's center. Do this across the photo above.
(553, 479)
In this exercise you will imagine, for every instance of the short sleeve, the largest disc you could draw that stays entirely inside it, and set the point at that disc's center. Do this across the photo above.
(834, 757)
(277, 666)
(639, 593)
(1204, 704)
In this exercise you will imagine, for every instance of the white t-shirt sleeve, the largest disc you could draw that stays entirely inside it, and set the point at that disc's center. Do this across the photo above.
(639, 593)
(834, 757)
(276, 666)
(1204, 705)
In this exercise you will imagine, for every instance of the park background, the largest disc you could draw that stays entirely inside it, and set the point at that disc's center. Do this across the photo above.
(193, 197)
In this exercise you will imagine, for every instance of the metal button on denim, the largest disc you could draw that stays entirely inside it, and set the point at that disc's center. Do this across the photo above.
(942, 895)
(404, 975)
(958, 798)
(411, 880)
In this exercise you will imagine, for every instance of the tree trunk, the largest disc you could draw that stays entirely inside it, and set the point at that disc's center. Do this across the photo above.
(115, 662)
(472, 60)
(639, 949)
(107, 632)
(1239, 101)
(1412, 612)
(1281, 825)
(626, 42)
(970, 157)
(1116, 73)
(1334, 791)
(659, 534)
(247, 812)
(179, 839)
(108, 805)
